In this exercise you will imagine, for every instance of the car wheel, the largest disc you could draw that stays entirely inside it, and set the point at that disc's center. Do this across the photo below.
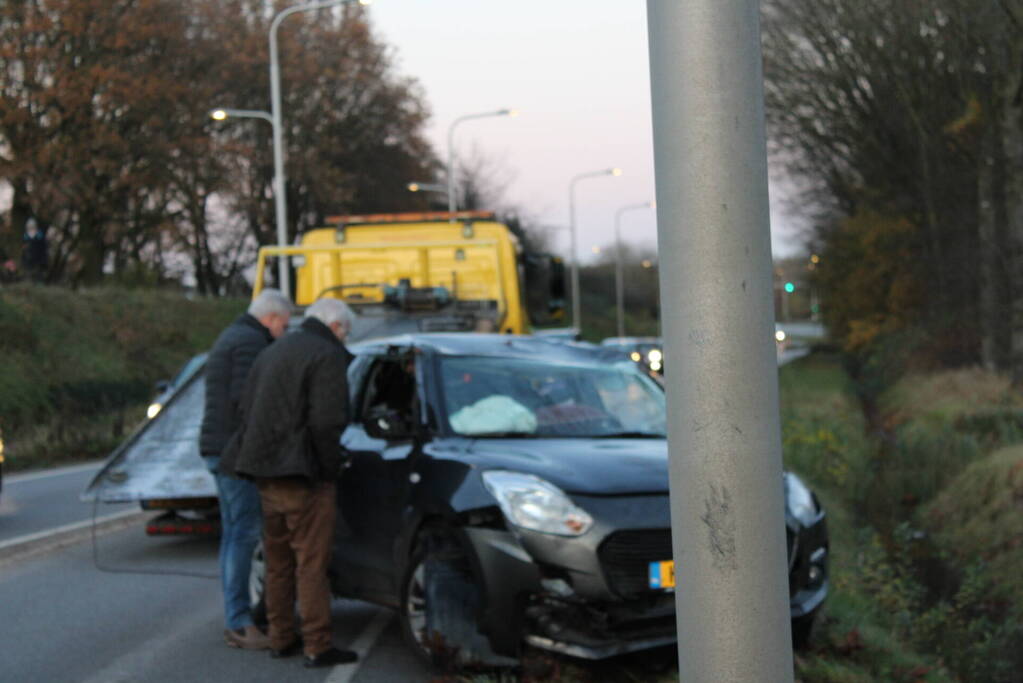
(413, 605)
(439, 603)
(802, 628)
(257, 586)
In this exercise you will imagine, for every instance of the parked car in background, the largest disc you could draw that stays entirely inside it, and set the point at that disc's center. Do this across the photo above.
(648, 351)
(508, 490)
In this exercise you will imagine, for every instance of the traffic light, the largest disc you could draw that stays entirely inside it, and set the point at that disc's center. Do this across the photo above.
(789, 287)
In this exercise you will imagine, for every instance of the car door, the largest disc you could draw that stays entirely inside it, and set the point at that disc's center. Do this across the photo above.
(374, 488)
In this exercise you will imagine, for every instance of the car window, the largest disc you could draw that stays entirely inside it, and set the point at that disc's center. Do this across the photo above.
(493, 396)
(390, 387)
(356, 372)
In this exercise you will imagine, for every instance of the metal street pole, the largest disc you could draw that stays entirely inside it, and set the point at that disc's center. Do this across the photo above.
(451, 148)
(280, 205)
(577, 311)
(619, 268)
(727, 504)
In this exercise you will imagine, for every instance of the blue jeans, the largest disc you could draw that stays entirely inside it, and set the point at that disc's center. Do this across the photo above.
(241, 526)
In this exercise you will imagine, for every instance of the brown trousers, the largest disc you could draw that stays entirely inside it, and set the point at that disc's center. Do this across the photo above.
(298, 531)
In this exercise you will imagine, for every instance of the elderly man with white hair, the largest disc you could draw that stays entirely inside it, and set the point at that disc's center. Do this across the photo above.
(295, 408)
(227, 369)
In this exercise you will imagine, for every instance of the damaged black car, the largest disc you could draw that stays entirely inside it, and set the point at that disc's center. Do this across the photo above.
(510, 491)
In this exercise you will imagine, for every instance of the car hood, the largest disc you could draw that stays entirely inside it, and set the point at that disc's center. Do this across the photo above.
(584, 466)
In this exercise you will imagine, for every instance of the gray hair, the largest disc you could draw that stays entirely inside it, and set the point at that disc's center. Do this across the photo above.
(270, 302)
(329, 311)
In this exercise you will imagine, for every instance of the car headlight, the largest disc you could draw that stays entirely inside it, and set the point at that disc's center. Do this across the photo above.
(779, 335)
(153, 410)
(655, 356)
(799, 499)
(532, 503)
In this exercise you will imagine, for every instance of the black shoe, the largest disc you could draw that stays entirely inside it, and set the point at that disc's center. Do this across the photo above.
(330, 658)
(287, 651)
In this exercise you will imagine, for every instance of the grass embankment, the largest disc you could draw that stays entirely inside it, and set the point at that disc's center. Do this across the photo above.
(925, 523)
(79, 367)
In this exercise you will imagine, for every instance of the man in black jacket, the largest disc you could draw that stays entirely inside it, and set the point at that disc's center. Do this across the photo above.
(295, 408)
(227, 369)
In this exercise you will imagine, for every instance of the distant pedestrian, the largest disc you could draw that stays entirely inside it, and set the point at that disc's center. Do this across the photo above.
(295, 408)
(8, 268)
(34, 252)
(227, 370)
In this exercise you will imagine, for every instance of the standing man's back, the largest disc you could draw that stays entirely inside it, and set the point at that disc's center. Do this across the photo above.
(227, 370)
(295, 407)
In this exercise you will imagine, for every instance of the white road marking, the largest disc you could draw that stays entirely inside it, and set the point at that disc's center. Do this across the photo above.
(74, 526)
(343, 673)
(55, 472)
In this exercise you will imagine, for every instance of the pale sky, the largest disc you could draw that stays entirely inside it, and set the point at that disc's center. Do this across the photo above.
(578, 72)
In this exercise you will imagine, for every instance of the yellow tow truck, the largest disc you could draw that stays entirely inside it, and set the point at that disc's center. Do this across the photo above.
(436, 271)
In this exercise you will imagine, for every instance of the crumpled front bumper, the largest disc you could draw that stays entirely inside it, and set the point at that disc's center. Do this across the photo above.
(587, 597)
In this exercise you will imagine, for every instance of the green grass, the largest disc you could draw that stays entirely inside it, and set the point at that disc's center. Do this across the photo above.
(825, 441)
(80, 366)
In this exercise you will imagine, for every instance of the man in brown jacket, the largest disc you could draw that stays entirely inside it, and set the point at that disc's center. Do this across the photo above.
(295, 407)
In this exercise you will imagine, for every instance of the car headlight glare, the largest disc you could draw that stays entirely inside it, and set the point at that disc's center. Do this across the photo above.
(533, 503)
(655, 356)
(799, 499)
(779, 335)
(153, 410)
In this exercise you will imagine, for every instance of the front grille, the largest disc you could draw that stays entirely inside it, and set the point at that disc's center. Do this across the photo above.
(625, 557)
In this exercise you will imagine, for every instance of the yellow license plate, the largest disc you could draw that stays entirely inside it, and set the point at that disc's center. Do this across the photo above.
(662, 574)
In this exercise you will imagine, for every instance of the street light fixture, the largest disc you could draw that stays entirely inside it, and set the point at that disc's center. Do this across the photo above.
(280, 205)
(451, 148)
(619, 274)
(224, 113)
(416, 186)
(576, 301)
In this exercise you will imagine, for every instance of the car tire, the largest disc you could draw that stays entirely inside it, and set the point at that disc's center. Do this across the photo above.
(802, 629)
(412, 612)
(257, 586)
(438, 573)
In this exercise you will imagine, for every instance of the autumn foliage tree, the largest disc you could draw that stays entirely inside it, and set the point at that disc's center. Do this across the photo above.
(899, 120)
(105, 137)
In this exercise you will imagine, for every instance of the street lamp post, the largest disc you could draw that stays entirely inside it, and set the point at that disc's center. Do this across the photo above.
(619, 268)
(451, 148)
(280, 205)
(576, 301)
(724, 434)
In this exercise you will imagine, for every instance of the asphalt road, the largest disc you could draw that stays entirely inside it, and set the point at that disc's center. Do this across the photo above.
(62, 618)
(36, 502)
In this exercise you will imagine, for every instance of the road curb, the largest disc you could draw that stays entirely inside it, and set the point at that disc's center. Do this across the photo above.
(33, 545)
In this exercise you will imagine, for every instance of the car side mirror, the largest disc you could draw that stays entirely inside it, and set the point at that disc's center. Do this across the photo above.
(387, 423)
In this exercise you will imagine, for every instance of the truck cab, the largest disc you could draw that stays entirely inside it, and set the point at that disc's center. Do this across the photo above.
(440, 271)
